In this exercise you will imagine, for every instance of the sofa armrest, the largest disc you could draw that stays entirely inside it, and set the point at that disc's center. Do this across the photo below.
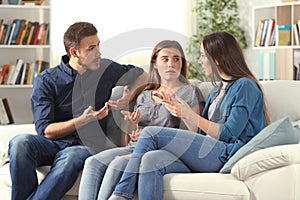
(266, 159)
(7, 132)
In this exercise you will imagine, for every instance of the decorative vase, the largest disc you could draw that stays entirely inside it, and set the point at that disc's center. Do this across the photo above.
(13, 2)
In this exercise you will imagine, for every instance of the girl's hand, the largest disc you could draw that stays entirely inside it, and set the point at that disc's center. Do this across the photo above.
(133, 117)
(134, 136)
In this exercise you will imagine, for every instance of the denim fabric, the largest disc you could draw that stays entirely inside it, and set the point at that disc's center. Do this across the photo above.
(192, 152)
(94, 169)
(239, 113)
(27, 152)
(112, 176)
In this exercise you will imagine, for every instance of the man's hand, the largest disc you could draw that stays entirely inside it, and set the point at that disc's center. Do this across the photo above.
(122, 102)
(90, 115)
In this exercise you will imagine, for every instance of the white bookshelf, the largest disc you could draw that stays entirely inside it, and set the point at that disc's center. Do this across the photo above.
(19, 95)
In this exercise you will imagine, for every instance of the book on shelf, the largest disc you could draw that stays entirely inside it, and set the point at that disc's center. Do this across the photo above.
(7, 33)
(13, 27)
(264, 32)
(297, 65)
(8, 111)
(20, 31)
(16, 72)
(3, 115)
(10, 74)
(23, 32)
(14, 34)
(3, 33)
(258, 33)
(296, 33)
(24, 74)
(4, 72)
(284, 34)
(270, 30)
(266, 66)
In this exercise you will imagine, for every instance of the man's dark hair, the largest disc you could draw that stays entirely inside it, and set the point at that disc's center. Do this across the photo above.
(76, 32)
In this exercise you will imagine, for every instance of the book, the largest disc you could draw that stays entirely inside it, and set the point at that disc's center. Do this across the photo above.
(16, 72)
(29, 73)
(3, 33)
(28, 28)
(8, 111)
(272, 65)
(284, 34)
(296, 33)
(264, 32)
(13, 27)
(34, 30)
(260, 67)
(4, 73)
(20, 32)
(3, 115)
(258, 33)
(9, 75)
(7, 33)
(270, 29)
(24, 74)
(16, 31)
(23, 34)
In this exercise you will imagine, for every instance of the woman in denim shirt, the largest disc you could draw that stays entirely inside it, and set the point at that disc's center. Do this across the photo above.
(233, 114)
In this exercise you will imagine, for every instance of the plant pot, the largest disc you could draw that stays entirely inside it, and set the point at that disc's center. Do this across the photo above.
(13, 2)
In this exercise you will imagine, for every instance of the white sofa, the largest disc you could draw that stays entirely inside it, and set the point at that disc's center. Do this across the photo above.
(277, 178)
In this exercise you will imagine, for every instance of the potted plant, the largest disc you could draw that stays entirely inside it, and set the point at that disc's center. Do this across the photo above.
(211, 16)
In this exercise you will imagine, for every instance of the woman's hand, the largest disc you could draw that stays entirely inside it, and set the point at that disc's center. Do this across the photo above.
(178, 107)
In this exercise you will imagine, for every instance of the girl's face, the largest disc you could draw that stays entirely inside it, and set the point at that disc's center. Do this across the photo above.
(169, 64)
(204, 62)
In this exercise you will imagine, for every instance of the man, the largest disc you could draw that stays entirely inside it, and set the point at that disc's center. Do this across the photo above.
(70, 104)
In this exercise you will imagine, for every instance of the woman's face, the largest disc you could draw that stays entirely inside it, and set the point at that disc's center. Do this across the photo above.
(204, 62)
(169, 64)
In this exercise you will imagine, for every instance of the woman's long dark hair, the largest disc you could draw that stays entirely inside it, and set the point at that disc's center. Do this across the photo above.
(222, 47)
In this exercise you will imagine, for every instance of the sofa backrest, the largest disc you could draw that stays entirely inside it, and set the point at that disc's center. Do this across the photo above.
(282, 98)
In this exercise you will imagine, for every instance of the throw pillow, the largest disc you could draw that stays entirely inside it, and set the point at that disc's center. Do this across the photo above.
(280, 132)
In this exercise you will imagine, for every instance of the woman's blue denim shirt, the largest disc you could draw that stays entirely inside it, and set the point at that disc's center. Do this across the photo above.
(240, 114)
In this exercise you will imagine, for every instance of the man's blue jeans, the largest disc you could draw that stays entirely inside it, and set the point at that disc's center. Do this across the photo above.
(27, 152)
(161, 150)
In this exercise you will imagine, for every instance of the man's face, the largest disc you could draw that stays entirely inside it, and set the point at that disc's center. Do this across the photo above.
(89, 53)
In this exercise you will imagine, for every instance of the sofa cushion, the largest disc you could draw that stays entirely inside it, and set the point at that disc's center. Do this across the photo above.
(266, 159)
(206, 186)
(6, 133)
(279, 132)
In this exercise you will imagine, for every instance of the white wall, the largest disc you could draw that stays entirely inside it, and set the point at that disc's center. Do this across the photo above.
(123, 25)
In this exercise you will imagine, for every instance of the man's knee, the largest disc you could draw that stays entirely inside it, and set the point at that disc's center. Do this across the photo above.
(20, 144)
